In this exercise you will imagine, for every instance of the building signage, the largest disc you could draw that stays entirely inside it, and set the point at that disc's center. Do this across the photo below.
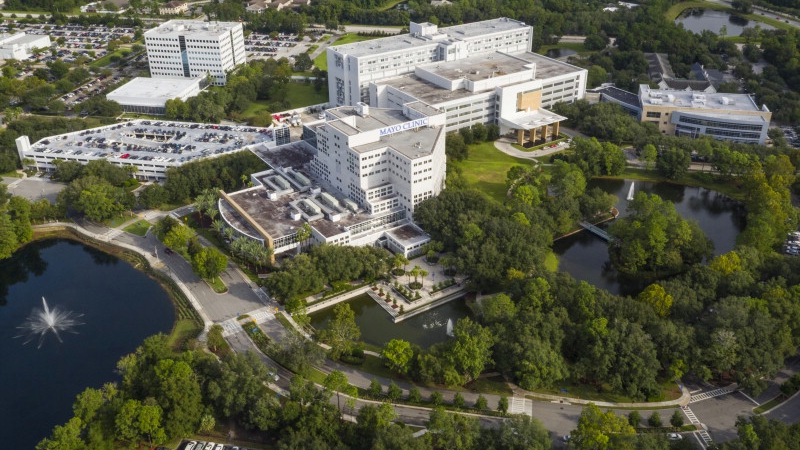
(410, 125)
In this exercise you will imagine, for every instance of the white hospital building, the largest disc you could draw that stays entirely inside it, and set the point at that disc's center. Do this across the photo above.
(480, 72)
(192, 48)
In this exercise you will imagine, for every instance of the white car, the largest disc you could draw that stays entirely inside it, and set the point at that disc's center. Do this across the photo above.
(674, 437)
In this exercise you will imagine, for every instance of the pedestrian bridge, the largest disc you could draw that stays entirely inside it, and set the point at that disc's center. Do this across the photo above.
(598, 231)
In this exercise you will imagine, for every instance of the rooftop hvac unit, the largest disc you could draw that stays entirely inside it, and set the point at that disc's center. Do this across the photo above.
(699, 97)
(656, 101)
(328, 198)
(349, 204)
(310, 207)
(281, 182)
(301, 178)
(655, 94)
(295, 215)
(670, 98)
(727, 101)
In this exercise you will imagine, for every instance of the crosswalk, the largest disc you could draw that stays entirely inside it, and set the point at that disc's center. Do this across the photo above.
(702, 433)
(520, 405)
(233, 326)
(710, 394)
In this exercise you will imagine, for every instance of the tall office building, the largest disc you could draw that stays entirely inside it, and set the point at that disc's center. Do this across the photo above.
(192, 48)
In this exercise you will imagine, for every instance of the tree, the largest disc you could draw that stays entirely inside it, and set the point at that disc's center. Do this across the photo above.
(481, 403)
(375, 389)
(470, 351)
(336, 381)
(342, 332)
(635, 419)
(452, 431)
(214, 338)
(394, 392)
(655, 296)
(673, 163)
(207, 423)
(397, 355)
(64, 437)
(677, 419)
(209, 262)
(654, 420)
(599, 431)
(648, 156)
(522, 432)
(654, 238)
(502, 404)
(458, 401)
(414, 396)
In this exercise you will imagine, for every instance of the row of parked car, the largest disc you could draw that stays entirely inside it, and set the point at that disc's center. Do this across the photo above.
(792, 246)
(192, 445)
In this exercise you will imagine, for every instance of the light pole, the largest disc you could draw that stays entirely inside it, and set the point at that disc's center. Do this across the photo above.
(155, 251)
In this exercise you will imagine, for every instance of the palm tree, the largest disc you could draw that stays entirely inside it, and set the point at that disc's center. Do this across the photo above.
(415, 271)
(423, 273)
(228, 232)
(303, 235)
(218, 225)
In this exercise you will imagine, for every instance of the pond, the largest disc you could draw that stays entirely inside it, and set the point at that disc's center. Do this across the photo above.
(560, 52)
(117, 306)
(585, 256)
(698, 20)
(377, 327)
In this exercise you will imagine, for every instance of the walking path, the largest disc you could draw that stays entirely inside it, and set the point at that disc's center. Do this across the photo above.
(558, 413)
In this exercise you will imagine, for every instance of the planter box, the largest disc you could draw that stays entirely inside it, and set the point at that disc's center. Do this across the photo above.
(394, 306)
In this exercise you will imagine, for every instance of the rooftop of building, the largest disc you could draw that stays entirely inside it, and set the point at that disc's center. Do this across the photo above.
(620, 95)
(295, 155)
(686, 85)
(412, 144)
(152, 140)
(407, 41)
(197, 28)
(486, 66)
(700, 100)
(155, 89)
(408, 233)
(349, 121)
(19, 38)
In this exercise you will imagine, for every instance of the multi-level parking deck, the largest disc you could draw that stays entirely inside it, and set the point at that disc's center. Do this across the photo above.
(150, 146)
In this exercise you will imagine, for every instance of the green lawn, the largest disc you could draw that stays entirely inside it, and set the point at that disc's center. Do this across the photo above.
(139, 228)
(486, 167)
(301, 94)
(106, 60)
(769, 405)
(217, 284)
(183, 330)
(321, 61)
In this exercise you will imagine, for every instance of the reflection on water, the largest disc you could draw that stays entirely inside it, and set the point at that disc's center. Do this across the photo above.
(699, 20)
(377, 327)
(585, 256)
(560, 52)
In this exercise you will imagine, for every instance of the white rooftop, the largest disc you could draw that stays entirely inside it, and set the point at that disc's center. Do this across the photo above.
(192, 27)
(694, 99)
(154, 91)
(448, 34)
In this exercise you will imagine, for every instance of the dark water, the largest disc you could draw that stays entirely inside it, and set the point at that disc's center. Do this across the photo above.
(560, 52)
(585, 256)
(698, 20)
(377, 327)
(120, 306)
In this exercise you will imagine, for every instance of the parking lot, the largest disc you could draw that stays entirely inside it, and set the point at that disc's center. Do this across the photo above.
(200, 445)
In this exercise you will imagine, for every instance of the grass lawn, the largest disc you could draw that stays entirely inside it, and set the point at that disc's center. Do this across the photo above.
(769, 405)
(389, 5)
(675, 10)
(311, 49)
(491, 385)
(12, 174)
(139, 228)
(106, 60)
(321, 61)
(486, 167)
(183, 330)
(217, 284)
(301, 94)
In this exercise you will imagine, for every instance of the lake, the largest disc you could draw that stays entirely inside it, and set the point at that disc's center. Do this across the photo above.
(377, 327)
(120, 306)
(585, 256)
(560, 52)
(698, 20)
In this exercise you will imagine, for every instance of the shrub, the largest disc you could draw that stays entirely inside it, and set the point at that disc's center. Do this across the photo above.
(375, 389)
(635, 419)
(677, 419)
(502, 404)
(436, 398)
(481, 403)
(458, 401)
(414, 395)
(654, 420)
(394, 393)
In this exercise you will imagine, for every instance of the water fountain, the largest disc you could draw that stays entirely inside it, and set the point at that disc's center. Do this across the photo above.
(43, 320)
(630, 192)
(450, 328)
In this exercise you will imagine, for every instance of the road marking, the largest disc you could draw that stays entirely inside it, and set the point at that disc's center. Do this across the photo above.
(710, 394)
(520, 405)
(230, 327)
(689, 414)
(750, 398)
(699, 440)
